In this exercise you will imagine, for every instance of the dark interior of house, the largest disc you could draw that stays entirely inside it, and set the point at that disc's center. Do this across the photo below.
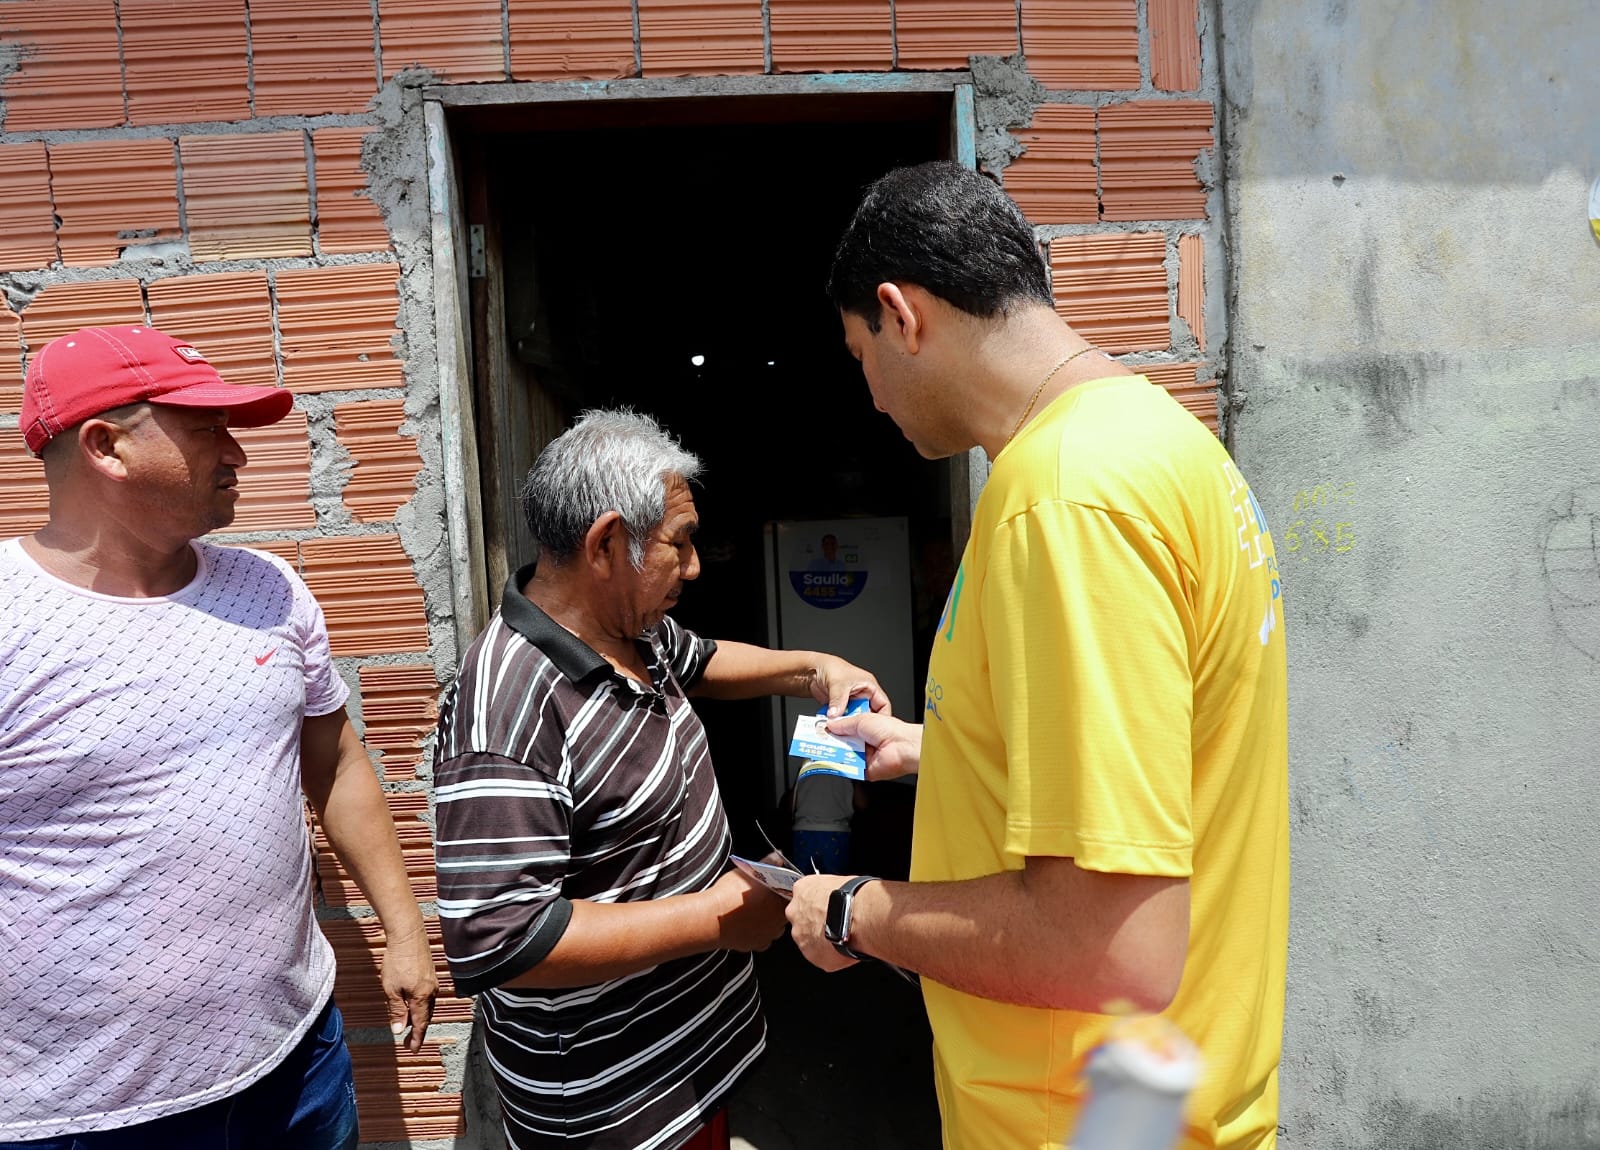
(682, 271)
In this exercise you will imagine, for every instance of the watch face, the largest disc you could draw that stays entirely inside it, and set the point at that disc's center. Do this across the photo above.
(833, 928)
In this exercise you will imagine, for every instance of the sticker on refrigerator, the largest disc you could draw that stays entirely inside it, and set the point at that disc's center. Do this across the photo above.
(833, 574)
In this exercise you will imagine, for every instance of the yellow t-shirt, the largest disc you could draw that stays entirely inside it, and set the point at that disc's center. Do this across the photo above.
(1108, 684)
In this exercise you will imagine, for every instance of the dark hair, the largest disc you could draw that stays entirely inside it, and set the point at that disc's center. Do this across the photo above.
(945, 228)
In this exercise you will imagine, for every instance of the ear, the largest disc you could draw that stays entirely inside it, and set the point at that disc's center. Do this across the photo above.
(103, 446)
(901, 311)
(605, 545)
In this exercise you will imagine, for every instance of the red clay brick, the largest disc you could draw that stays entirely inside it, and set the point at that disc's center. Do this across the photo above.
(185, 64)
(399, 706)
(386, 462)
(247, 195)
(831, 35)
(312, 56)
(275, 485)
(459, 42)
(24, 498)
(227, 316)
(369, 594)
(113, 193)
(1148, 150)
(701, 37)
(69, 73)
(1192, 285)
(941, 34)
(335, 326)
(1112, 287)
(347, 219)
(1198, 396)
(358, 942)
(1174, 44)
(398, 1095)
(1092, 44)
(1053, 182)
(65, 307)
(571, 39)
(10, 359)
(27, 226)
(398, 1092)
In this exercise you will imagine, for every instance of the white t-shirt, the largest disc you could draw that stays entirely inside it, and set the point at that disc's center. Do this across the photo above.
(158, 949)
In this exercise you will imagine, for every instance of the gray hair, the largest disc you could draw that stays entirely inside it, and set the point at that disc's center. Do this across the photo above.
(607, 461)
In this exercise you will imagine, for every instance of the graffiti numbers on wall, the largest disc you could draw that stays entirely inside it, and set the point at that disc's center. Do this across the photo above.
(1321, 523)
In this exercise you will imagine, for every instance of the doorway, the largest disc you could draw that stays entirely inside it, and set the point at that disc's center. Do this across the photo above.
(671, 256)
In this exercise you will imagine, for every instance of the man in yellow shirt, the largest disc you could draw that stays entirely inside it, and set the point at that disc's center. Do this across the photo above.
(1101, 821)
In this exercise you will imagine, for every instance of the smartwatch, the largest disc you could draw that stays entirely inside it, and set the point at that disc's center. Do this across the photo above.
(836, 929)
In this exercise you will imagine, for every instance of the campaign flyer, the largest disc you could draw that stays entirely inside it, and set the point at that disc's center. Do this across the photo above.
(827, 753)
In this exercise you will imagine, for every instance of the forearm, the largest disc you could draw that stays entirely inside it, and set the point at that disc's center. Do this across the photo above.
(744, 671)
(1022, 937)
(612, 940)
(352, 812)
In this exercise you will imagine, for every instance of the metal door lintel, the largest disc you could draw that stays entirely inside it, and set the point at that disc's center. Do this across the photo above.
(577, 92)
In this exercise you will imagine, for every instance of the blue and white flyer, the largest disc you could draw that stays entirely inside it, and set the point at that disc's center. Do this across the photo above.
(827, 753)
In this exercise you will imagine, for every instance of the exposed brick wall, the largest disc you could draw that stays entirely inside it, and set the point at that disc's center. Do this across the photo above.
(1113, 178)
(198, 164)
(218, 192)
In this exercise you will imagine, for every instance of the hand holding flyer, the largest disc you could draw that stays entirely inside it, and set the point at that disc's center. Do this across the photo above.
(827, 753)
(778, 879)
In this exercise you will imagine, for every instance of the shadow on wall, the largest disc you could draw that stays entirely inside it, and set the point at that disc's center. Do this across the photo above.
(1403, 90)
(1509, 1120)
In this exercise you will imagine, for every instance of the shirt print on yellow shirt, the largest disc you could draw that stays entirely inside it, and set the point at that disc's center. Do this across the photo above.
(1252, 530)
(933, 693)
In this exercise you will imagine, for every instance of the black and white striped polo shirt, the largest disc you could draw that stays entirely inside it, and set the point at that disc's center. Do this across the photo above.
(556, 778)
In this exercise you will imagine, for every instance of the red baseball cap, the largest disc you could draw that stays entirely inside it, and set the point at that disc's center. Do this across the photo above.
(96, 369)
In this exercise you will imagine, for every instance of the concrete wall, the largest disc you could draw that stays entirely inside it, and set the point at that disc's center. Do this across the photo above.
(1414, 373)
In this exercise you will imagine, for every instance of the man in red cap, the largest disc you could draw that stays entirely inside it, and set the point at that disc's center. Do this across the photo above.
(164, 703)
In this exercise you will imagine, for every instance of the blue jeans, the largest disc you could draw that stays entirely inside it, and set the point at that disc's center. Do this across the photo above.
(307, 1103)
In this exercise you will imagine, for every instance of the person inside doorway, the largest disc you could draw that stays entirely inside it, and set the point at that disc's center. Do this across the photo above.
(585, 889)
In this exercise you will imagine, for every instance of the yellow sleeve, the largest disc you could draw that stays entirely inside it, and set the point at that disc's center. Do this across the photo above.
(1089, 637)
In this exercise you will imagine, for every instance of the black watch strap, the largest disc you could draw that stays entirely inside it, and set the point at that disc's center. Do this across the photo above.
(844, 897)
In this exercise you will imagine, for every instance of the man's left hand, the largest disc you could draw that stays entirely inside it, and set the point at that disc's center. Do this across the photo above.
(808, 914)
(410, 985)
(835, 682)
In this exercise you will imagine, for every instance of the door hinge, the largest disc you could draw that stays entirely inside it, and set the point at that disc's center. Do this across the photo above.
(477, 262)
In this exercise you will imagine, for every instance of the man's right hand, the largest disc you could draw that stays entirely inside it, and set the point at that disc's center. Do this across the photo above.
(894, 746)
(749, 916)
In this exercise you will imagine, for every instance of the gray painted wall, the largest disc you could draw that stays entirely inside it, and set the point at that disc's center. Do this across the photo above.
(1414, 368)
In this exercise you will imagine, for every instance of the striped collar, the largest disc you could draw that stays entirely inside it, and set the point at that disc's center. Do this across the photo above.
(571, 655)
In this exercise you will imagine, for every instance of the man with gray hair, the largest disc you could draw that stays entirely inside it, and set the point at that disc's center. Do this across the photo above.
(582, 849)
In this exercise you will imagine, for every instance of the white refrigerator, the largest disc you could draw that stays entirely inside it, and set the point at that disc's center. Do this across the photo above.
(842, 586)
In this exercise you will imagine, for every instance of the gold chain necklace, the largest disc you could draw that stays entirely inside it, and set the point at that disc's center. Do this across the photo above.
(1038, 391)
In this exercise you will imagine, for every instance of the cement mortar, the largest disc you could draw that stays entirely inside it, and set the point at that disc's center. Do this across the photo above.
(11, 57)
(394, 155)
(1416, 381)
(1004, 96)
